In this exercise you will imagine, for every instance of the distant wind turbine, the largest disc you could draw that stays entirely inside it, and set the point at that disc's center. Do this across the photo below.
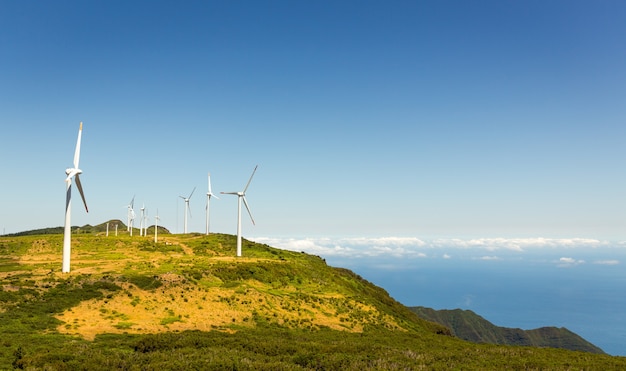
(156, 226)
(187, 210)
(71, 172)
(130, 217)
(242, 196)
(142, 220)
(208, 201)
(145, 223)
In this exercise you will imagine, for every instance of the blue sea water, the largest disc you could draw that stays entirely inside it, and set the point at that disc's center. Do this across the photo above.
(585, 294)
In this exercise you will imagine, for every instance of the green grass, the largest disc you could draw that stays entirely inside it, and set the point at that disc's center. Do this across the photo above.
(266, 283)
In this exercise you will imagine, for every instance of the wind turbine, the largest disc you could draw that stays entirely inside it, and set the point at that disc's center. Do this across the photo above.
(71, 172)
(208, 201)
(241, 196)
(145, 224)
(187, 210)
(130, 217)
(156, 225)
(142, 219)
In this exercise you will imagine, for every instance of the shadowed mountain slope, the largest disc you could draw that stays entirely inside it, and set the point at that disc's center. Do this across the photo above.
(470, 326)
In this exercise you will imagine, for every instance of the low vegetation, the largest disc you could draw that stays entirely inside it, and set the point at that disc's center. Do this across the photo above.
(188, 303)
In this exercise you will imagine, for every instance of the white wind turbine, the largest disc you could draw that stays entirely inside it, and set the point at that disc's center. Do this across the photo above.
(208, 201)
(187, 210)
(71, 172)
(156, 225)
(145, 224)
(130, 216)
(142, 219)
(241, 196)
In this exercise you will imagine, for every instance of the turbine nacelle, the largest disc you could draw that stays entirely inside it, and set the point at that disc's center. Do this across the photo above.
(70, 172)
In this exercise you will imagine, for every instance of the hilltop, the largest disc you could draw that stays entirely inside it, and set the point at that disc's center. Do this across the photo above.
(187, 302)
(90, 229)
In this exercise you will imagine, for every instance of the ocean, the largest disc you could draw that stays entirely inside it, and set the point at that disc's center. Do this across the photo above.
(588, 299)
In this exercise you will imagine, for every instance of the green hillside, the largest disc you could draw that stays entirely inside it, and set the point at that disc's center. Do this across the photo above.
(188, 303)
(470, 326)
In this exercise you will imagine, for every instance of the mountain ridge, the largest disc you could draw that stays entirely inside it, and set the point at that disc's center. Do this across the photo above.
(470, 326)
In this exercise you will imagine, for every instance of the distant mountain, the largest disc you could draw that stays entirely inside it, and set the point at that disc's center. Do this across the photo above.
(468, 325)
(87, 229)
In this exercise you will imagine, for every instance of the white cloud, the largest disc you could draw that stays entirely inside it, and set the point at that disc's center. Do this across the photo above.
(569, 262)
(412, 247)
(607, 262)
(398, 247)
(518, 244)
(323, 247)
(488, 258)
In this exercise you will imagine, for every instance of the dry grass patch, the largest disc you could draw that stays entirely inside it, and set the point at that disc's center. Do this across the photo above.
(179, 306)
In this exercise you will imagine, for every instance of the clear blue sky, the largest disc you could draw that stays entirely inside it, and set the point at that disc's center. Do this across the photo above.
(426, 119)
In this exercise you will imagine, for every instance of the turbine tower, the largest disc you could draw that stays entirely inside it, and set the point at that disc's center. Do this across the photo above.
(242, 196)
(208, 201)
(187, 210)
(156, 225)
(142, 219)
(71, 172)
(145, 224)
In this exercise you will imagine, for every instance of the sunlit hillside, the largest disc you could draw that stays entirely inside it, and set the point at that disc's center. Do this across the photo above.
(187, 302)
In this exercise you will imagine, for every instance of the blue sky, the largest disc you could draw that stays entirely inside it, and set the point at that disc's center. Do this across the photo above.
(435, 147)
(447, 119)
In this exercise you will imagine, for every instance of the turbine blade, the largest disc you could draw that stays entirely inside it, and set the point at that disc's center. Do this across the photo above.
(80, 189)
(210, 183)
(230, 193)
(77, 152)
(253, 171)
(194, 189)
(247, 208)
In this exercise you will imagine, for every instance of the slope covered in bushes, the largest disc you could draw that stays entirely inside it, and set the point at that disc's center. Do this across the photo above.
(187, 303)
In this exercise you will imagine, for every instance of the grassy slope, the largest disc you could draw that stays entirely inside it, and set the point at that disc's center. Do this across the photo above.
(188, 303)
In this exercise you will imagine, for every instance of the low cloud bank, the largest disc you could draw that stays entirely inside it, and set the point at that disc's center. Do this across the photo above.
(412, 247)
